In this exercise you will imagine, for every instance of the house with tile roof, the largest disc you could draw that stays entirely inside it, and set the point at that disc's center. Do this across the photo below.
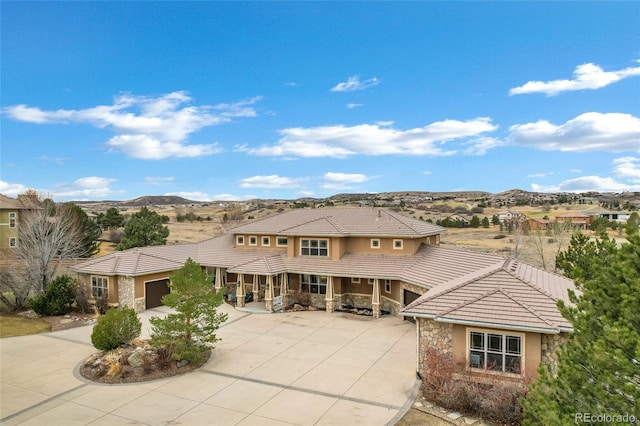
(362, 257)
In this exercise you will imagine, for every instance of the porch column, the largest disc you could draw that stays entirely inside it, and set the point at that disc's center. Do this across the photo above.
(240, 291)
(268, 294)
(284, 288)
(256, 288)
(375, 298)
(218, 284)
(329, 297)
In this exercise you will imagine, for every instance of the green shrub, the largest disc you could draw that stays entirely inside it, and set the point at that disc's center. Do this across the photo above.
(57, 299)
(116, 328)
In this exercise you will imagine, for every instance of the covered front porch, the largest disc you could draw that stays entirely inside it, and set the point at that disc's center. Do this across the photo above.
(276, 291)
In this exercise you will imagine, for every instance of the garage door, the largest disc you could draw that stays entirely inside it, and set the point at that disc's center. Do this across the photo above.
(409, 297)
(154, 291)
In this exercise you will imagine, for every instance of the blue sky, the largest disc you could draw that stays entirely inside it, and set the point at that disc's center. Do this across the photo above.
(230, 101)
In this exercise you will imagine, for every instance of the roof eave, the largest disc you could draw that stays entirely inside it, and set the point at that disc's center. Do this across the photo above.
(521, 328)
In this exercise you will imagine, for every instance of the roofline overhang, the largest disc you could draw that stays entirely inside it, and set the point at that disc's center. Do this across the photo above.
(487, 324)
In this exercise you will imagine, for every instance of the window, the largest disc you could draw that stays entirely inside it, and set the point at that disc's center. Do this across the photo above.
(253, 240)
(355, 280)
(13, 243)
(240, 240)
(99, 286)
(495, 351)
(282, 241)
(397, 244)
(314, 248)
(266, 241)
(315, 284)
(375, 243)
(372, 280)
(12, 220)
(387, 286)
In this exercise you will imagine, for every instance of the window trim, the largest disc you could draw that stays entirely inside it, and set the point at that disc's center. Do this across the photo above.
(12, 219)
(239, 240)
(13, 242)
(375, 243)
(355, 280)
(396, 246)
(387, 286)
(253, 240)
(371, 281)
(267, 239)
(95, 286)
(280, 244)
(310, 248)
(504, 351)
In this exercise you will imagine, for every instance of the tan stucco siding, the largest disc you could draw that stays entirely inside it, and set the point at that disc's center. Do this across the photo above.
(532, 354)
(357, 288)
(396, 290)
(6, 231)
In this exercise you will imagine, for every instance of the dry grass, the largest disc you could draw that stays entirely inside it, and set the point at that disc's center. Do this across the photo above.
(11, 326)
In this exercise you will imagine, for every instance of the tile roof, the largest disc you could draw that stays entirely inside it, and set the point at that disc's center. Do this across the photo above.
(511, 295)
(341, 222)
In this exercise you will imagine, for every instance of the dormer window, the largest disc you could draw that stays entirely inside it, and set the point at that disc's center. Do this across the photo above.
(253, 240)
(397, 244)
(266, 241)
(375, 243)
(239, 240)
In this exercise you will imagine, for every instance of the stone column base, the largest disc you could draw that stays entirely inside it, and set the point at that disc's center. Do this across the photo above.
(376, 310)
(329, 307)
(256, 296)
(240, 301)
(268, 304)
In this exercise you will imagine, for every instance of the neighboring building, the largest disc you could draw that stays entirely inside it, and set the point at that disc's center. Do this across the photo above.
(578, 220)
(10, 210)
(499, 319)
(367, 258)
(536, 224)
(620, 217)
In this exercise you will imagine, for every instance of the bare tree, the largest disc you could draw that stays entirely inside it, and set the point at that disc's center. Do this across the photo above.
(560, 235)
(46, 236)
(537, 239)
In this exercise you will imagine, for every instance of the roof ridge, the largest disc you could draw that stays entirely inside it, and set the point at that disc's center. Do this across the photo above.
(527, 282)
(400, 218)
(506, 294)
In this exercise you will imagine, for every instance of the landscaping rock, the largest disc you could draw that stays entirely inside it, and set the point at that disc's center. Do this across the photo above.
(136, 359)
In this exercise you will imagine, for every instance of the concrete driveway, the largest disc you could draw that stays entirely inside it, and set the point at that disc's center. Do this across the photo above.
(301, 368)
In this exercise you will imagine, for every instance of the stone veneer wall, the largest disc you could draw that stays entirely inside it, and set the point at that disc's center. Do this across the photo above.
(548, 348)
(357, 301)
(433, 335)
(126, 292)
(389, 305)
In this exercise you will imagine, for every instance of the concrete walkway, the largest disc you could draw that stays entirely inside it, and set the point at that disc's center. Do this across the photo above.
(301, 368)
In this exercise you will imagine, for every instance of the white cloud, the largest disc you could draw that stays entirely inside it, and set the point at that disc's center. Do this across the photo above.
(353, 84)
(11, 189)
(341, 141)
(426, 172)
(86, 188)
(480, 146)
(233, 197)
(271, 182)
(148, 148)
(335, 180)
(591, 131)
(537, 175)
(586, 76)
(352, 106)
(60, 161)
(306, 193)
(157, 180)
(587, 184)
(146, 127)
(575, 171)
(628, 168)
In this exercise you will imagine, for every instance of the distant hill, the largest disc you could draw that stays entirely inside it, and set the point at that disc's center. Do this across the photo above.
(147, 200)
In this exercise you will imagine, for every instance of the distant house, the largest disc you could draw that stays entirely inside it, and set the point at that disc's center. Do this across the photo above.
(537, 224)
(578, 220)
(616, 216)
(10, 212)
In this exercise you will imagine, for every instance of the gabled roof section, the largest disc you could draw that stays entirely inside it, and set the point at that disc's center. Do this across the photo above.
(341, 222)
(504, 295)
(132, 262)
